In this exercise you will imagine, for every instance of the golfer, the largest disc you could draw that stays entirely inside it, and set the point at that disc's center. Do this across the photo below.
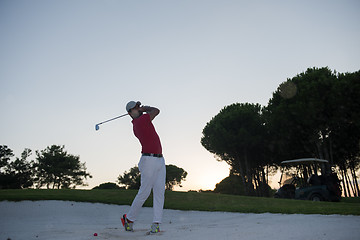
(152, 165)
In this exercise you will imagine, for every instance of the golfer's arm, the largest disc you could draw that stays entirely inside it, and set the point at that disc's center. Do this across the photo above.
(152, 111)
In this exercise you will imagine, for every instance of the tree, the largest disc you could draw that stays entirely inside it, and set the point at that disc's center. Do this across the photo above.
(315, 114)
(174, 176)
(299, 123)
(319, 118)
(345, 141)
(230, 185)
(17, 173)
(5, 177)
(131, 179)
(238, 136)
(5, 155)
(22, 170)
(57, 169)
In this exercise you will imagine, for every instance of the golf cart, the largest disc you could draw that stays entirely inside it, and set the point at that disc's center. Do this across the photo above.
(300, 179)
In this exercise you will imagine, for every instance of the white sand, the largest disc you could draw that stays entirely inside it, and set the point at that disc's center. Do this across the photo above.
(74, 221)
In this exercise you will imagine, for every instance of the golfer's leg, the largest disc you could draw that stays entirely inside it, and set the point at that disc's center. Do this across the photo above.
(145, 189)
(159, 193)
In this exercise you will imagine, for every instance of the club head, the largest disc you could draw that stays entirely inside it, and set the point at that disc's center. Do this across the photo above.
(97, 127)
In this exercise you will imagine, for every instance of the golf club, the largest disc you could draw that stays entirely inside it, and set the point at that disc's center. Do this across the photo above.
(97, 125)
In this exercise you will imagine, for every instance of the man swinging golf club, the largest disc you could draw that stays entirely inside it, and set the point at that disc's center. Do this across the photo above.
(152, 166)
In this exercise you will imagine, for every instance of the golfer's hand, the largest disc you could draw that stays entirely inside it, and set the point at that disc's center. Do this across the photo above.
(143, 109)
(152, 111)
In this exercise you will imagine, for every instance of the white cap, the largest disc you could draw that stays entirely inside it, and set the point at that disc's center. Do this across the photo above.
(130, 105)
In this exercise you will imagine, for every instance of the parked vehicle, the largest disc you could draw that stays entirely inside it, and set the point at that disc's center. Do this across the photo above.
(308, 179)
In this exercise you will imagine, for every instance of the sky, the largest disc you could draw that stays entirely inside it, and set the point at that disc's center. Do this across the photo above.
(67, 65)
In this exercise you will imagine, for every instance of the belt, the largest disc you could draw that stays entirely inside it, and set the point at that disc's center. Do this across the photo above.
(153, 155)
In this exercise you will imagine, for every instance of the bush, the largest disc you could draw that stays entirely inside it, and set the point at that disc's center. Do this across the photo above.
(230, 185)
(108, 185)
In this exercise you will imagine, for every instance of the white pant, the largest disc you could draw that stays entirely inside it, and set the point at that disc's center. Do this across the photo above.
(153, 174)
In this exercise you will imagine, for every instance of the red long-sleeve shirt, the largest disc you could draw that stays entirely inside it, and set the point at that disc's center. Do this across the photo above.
(145, 131)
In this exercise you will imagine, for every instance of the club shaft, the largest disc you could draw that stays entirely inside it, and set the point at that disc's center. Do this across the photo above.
(113, 119)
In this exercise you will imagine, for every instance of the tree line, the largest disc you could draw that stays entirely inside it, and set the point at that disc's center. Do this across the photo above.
(55, 168)
(314, 114)
(52, 168)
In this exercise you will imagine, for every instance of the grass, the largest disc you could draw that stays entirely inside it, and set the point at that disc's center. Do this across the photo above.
(192, 201)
